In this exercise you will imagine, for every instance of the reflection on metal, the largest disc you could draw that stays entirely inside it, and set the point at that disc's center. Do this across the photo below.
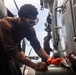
(61, 8)
(74, 39)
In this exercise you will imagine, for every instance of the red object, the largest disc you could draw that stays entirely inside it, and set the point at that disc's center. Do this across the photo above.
(54, 61)
(69, 55)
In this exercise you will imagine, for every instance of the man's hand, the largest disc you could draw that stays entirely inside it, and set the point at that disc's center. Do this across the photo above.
(40, 66)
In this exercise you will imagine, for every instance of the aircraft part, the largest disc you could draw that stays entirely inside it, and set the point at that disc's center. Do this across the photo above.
(3, 10)
(64, 28)
(64, 36)
(56, 70)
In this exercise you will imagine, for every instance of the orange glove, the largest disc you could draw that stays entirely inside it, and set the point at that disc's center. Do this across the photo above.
(56, 61)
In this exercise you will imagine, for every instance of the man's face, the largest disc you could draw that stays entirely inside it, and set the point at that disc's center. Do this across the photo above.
(32, 20)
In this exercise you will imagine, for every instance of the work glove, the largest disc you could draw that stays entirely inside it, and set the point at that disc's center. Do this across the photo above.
(54, 61)
(41, 66)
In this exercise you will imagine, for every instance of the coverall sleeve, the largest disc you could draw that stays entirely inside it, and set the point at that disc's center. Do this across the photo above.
(31, 36)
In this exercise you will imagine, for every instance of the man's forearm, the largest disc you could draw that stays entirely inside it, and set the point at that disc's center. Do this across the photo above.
(23, 59)
(42, 53)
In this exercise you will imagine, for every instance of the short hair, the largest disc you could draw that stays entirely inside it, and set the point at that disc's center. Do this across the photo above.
(27, 10)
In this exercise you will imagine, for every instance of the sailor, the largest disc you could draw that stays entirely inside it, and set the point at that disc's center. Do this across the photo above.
(12, 31)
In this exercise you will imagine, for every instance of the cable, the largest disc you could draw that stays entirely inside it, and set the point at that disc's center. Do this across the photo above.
(16, 5)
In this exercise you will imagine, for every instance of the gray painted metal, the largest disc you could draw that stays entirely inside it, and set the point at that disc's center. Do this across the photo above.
(56, 70)
(3, 10)
(65, 21)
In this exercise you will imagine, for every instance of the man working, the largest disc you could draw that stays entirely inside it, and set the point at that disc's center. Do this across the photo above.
(12, 31)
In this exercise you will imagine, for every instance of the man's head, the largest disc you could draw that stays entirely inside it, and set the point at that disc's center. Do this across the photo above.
(28, 12)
